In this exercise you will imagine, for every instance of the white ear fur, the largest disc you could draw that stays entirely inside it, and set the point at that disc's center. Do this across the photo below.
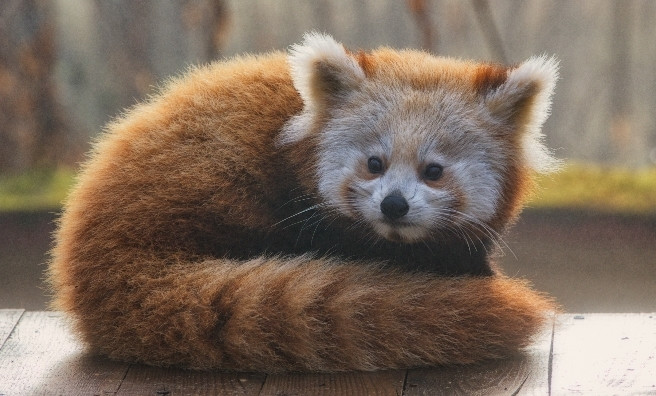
(317, 58)
(525, 97)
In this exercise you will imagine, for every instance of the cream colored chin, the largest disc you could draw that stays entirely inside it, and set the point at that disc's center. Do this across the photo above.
(403, 234)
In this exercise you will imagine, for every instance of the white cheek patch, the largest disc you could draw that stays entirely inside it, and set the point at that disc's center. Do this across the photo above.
(481, 186)
(334, 168)
(337, 164)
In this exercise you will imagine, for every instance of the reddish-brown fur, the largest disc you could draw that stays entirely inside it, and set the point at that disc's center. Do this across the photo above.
(489, 77)
(157, 254)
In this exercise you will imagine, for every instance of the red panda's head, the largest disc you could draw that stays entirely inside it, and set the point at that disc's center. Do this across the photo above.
(415, 145)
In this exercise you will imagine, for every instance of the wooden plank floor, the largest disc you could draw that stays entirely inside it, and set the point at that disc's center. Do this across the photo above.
(589, 354)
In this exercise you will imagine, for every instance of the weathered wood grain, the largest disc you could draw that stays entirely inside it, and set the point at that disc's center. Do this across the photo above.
(590, 354)
(527, 374)
(145, 380)
(604, 354)
(356, 383)
(8, 320)
(42, 357)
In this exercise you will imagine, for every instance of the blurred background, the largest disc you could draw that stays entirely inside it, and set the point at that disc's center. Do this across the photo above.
(589, 237)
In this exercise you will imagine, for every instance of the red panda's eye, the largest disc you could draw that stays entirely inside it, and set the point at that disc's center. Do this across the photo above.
(375, 165)
(433, 172)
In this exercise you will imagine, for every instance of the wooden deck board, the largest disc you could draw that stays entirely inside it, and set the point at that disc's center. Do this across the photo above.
(581, 354)
(144, 380)
(381, 383)
(8, 320)
(41, 356)
(604, 354)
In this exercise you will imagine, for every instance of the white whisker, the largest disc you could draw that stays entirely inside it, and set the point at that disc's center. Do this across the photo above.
(313, 207)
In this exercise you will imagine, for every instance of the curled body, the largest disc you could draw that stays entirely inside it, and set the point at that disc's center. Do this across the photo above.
(320, 210)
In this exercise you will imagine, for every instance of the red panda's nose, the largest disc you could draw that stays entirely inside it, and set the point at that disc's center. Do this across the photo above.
(394, 206)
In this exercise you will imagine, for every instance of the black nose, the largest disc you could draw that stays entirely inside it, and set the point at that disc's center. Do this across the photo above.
(394, 206)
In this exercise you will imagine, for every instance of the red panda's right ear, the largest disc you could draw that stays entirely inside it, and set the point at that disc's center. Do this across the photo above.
(322, 71)
(522, 101)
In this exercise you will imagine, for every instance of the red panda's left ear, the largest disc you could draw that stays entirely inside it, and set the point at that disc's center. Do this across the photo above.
(523, 102)
(322, 71)
(525, 95)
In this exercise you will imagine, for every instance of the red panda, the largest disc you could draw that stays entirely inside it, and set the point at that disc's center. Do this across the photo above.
(324, 210)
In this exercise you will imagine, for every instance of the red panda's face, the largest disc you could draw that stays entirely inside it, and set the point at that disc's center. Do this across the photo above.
(410, 164)
(416, 146)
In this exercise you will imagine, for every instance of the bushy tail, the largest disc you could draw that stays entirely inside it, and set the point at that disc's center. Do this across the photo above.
(274, 314)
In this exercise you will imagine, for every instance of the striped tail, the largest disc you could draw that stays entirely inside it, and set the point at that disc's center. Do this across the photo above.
(278, 314)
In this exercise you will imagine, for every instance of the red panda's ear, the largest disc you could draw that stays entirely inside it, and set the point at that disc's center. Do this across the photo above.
(322, 71)
(523, 102)
(525, 95)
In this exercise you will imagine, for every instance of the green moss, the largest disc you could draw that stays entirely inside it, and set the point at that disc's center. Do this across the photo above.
(40, 189)
(599, 188)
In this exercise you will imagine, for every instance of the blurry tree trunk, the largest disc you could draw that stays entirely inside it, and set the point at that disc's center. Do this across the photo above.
(124, 39)
(130, 38)
(32, 124)
(490, 31)
(219, 26)
(420, 11)
(213, 17)
(621, 136)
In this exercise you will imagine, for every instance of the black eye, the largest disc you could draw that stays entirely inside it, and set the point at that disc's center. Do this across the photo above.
(433, 172)
(375, 165)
